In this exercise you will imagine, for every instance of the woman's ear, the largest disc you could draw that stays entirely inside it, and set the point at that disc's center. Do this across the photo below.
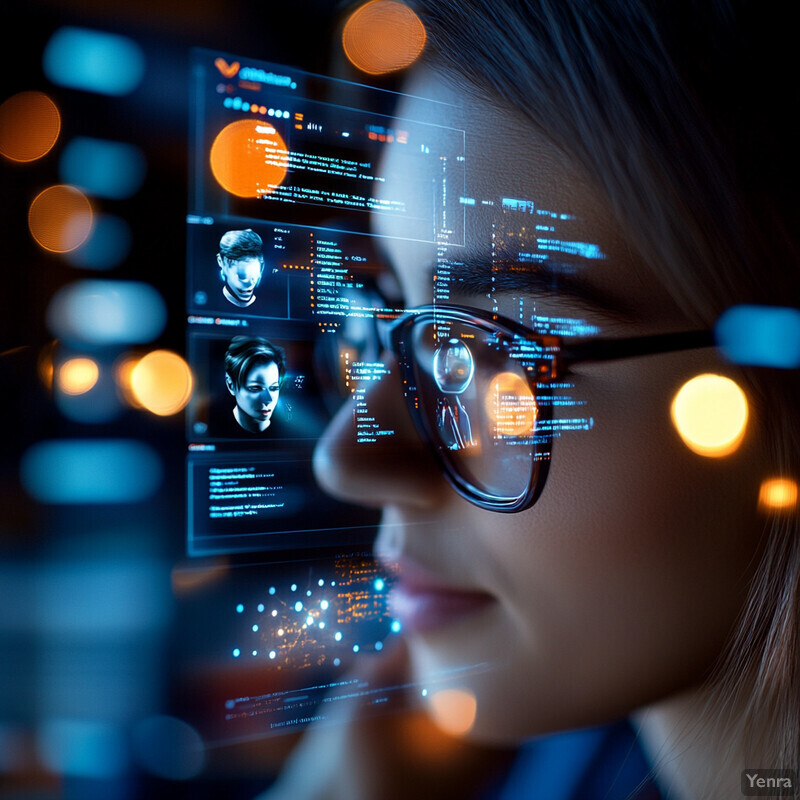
(221, 263)
(229, 384)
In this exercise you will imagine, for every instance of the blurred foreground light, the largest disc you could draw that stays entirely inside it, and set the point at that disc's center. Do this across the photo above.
(103, 168)
(710, 414)
(106, 248)
(453, 710)
(107, 312)
(78, 471)
(778, 494)
(77, 375)
(29, 126)
(60, 218)
(93, 61)
(169, 748)
(162, 382)
(764, 336)
(383, 36)
(82, 748)
(249, 158)
(188, 578)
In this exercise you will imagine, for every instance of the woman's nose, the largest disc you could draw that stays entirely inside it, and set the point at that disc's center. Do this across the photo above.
(358, 461)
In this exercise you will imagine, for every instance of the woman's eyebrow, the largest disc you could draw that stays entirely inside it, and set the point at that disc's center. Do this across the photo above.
(476, 274)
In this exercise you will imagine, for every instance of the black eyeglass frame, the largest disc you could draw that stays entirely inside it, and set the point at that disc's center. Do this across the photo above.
(556, 358)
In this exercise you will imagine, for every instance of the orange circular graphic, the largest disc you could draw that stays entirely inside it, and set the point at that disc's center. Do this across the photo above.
(29, 126)
(60, 218)
(511, 405)
(249, 158)
(383, 36)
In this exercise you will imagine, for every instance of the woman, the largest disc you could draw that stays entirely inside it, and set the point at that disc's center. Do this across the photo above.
(254, 369)
(645, 581)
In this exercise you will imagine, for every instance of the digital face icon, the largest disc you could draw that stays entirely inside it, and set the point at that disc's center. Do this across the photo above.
(453, 367)
(241, 276)
(256, 396)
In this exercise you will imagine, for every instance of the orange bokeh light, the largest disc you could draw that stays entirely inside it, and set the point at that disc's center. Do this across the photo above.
(454, 710)
(249, 158)
(383, 36)
(29, 126)
(778, 494)
(77, 375)
(60, 218)
(511, 405)
(162, 382)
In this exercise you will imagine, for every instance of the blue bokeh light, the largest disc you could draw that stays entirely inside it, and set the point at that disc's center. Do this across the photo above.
(169, 748)
(104, 312)
(764, 336)
(93, 61)
(82, 748)
(75, 471)
(103, 168)
(107, 246)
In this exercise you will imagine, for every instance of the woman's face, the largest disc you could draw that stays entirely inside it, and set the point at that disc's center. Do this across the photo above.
(621, 584)
(257, 395)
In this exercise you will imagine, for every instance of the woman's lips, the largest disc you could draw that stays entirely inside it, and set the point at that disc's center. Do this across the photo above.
(423, 603)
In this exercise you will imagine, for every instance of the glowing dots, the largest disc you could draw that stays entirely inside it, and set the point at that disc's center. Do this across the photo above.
(274, 612)
(383, 36)
(320, 582)
(107, 312)
(379, 584)
(273, 655)
(308, 593)
(293, 587)
(255, 653)
(379, 646)
(29, 126)
(321, 625)
(272, 590)
(764, 336)
(337, 661)
(453, 710)
(255, 628)
(281, 631)
(396, 626)
(249, 158)
(338, 636)
(102, 168)
(298, 606)
(77, 376)
(60, 218)
(260, 608)
(78, 471)
(511, 405)
(309, 620)
(236, 652)
(93, 61)
(710, 414)
(778, 494)
(240, 608)
(324, 605)
(356, 648)
(424, 692)
(162, 382)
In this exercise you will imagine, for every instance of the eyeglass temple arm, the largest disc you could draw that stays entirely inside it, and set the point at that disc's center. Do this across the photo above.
(609, 349)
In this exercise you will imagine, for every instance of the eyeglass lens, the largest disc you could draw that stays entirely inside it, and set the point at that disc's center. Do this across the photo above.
(476, 404)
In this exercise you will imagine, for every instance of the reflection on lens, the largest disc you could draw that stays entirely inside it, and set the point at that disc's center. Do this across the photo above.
(511, 405)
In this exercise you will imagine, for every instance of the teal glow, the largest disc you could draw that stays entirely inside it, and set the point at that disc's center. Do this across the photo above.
(76, 471)
(106, 248)
(93, 61)
(103, 168)
(763, 336)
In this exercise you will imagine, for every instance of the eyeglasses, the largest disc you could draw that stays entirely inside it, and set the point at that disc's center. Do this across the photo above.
(480, 391)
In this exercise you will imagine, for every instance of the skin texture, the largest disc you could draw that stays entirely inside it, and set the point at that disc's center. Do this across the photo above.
(256, 396)
(622, 584)
(242, 275)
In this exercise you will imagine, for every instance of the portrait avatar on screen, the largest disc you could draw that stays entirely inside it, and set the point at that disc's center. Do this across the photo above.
(241, 265)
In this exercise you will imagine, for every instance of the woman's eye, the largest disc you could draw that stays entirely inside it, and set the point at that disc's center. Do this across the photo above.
(255, 388)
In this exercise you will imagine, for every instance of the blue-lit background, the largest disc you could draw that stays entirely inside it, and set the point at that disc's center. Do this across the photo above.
(117, 648)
